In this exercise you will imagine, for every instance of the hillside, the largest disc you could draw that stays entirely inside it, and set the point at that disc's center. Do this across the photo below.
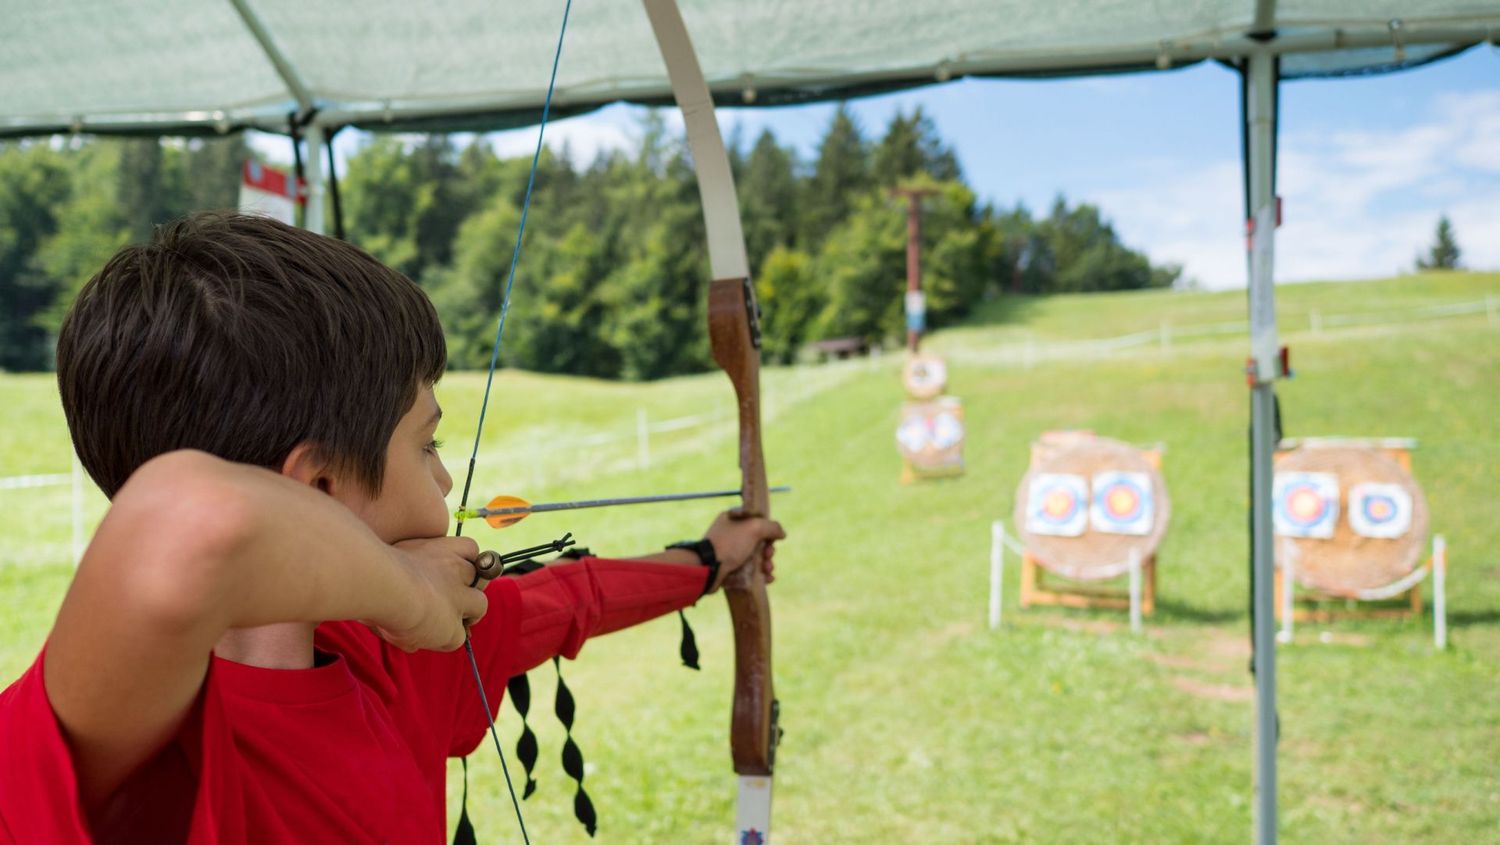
(906, 718)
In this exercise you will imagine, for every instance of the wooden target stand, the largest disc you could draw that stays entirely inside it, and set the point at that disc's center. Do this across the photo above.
(1078, 564)
(1348, 576)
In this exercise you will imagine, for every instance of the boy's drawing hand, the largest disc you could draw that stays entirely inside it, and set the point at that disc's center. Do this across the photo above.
(741, 540)
(443, 603)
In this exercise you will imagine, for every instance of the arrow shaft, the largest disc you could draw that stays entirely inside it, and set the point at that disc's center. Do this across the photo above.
(601, 503)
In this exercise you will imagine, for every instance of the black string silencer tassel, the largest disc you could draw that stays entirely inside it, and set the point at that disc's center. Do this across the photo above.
(519, 689)
(689, 648)
(572, 757)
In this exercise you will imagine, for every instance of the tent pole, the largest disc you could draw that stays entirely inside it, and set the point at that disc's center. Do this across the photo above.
(1265, 367)
(274, 54)
(314, 220)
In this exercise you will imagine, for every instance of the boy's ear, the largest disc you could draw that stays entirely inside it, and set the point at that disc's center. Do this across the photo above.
(305, 464)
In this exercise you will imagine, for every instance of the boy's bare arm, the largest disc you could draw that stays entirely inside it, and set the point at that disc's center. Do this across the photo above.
(194, 546)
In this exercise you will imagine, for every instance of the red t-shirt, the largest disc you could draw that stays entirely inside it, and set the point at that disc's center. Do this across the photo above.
(351, 750)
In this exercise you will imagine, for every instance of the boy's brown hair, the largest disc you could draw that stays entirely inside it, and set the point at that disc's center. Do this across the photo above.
(242, 336)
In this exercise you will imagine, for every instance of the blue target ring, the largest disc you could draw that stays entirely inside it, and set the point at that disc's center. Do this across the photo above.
(1060, 504)
(1380, 509)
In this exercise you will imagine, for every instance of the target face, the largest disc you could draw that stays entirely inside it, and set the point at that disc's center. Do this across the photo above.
(925, 376)
(947, 431)
(1306, 504)
(913, 435)
(1382, 511)
(1057, 504)
(1123, 503)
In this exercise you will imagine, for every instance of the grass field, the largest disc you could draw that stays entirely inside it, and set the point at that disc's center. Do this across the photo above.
(906, 719)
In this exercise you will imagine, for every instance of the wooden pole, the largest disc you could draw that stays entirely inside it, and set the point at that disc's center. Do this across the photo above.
(913, 254)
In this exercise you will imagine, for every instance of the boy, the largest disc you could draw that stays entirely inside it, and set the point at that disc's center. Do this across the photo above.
(258, 645)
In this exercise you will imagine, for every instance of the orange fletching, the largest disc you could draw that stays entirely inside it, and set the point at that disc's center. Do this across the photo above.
(510, 503)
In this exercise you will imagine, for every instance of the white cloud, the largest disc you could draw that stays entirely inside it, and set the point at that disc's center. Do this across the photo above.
(586, 136)
(1358, 203)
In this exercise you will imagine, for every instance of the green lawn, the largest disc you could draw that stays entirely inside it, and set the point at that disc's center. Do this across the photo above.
(906, 719)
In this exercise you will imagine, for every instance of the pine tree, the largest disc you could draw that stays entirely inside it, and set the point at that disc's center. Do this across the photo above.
(768, 198)
(911, 146)
(1444, 252)
(840, 175)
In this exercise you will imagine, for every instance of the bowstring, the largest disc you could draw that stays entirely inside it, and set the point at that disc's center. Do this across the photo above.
(489, 382)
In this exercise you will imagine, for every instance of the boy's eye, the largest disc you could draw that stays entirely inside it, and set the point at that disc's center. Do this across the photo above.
(434, 445)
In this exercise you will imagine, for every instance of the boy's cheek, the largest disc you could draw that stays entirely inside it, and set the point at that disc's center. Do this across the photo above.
(430, 519)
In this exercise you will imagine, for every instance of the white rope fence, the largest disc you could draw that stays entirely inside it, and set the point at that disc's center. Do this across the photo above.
(73, 480)
(545, 455)
(1030, 352)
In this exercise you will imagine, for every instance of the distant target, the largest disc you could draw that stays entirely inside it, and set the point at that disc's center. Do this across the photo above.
(913, 435)
(925, 376)
(1057, 505)
(1381, 511)
(1122, 503)
(1306, 504)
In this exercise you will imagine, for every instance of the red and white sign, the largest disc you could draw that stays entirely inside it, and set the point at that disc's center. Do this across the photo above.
(270, 192)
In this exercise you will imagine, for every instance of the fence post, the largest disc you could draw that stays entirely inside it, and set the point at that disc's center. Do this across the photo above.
(1440, 592)
(77, 496)
(1135, 591)
(997, 569)
(1316, 318)
(642, 439)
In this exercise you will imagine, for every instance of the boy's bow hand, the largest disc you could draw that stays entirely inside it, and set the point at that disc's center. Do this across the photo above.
(741, 540)
(443, 603)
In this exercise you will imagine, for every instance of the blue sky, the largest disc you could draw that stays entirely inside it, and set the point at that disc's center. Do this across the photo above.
(1367, 164)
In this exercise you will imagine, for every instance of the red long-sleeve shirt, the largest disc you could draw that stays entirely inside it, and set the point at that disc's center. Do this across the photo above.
(351, 750)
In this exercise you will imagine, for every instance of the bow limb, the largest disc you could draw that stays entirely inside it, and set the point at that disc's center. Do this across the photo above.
(734, 334)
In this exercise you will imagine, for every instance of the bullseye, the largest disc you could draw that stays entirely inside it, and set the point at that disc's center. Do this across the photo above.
(1122, 503)
(1381, 511)
(1057, 504)
(1306, 504)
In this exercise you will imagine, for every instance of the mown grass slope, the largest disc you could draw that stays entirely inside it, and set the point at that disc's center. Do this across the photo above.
(906, 719)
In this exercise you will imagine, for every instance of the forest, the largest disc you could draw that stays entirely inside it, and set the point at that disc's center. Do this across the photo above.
(613, 265)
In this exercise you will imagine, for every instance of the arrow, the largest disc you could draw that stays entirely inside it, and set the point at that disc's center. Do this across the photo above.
(505, 511)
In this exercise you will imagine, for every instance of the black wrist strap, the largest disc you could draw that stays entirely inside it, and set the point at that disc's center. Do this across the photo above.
(706, 556)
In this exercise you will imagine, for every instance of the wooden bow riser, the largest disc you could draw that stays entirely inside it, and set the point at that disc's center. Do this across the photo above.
(735, 340)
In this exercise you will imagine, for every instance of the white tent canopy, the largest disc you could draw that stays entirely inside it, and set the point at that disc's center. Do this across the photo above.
(196, 66)
(190, 66)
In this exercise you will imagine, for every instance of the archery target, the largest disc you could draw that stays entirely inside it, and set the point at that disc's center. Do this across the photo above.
(930, 437)
(1123, 503)
(1306, 504)
(1381, 511)
(1057, 505)
(925, 376)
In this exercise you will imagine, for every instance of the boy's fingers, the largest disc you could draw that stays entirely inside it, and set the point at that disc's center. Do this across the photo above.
(474, 605)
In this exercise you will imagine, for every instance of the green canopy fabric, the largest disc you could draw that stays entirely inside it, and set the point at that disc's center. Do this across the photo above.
(190, 66)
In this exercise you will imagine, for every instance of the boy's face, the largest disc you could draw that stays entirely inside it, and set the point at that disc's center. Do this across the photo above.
(411, 501)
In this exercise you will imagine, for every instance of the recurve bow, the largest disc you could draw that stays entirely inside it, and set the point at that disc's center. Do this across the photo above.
(734, 334)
